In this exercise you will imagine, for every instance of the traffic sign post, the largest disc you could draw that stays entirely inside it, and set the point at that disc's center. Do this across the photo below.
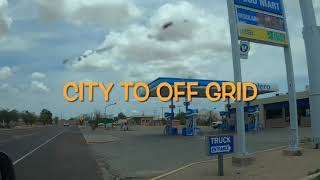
(219, 145)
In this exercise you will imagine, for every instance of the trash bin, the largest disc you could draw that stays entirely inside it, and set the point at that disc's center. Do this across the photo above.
(174, 131)
(184, 131)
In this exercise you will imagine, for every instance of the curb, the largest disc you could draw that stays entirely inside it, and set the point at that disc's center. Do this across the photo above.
(99, 142)
(213, 160)
(312, 177)
(183, 167)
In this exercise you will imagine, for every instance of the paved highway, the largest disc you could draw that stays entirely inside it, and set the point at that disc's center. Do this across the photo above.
(49, 153)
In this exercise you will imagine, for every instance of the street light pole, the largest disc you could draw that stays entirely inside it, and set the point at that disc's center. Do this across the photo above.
(105, 109)
(311, 35)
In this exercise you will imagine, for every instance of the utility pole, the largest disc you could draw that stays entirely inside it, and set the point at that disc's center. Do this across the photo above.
(162, 113)
(105, 108)
(179, 108)
(311, 35)
(154, 112)
(162, 116)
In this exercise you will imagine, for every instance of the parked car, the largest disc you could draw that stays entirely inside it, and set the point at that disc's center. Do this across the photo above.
(216, 125)
(66, 124)
(115, 124)
(101, 125)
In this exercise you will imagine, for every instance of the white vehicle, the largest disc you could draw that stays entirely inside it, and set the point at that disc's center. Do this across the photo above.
(101, 125)
(216, 125)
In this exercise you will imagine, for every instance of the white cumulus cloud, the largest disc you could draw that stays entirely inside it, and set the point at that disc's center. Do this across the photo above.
(178, 39)
(39, 86)
(5, 72)
(5, 87)
(103, 13)
(5, 20)
(38, 75)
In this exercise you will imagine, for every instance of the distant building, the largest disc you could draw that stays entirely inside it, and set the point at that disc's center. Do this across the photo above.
(206, 116)
(273, 112)
(144, 121)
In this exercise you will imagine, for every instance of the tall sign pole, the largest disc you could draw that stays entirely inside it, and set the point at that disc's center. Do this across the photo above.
(311, 35)
(262, 21)
(294, 127)
(241, 137)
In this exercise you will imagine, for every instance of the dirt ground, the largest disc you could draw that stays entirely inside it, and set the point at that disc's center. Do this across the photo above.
(267, 166)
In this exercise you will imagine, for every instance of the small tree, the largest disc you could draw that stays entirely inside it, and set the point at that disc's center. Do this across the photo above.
(56, 120)
(122, 116)
(28, 118)
(182, 117)
(97, 115)
(46, 117)
(4, 114)
(9, 116)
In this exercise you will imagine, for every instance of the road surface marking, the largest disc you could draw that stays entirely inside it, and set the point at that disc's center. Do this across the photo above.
(212, 160)
(29, 153)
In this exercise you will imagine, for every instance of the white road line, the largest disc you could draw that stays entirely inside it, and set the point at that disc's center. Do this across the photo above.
(29, 153)
(212, 160)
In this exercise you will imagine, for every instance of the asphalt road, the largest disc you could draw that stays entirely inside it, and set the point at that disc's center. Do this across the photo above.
(49, 153)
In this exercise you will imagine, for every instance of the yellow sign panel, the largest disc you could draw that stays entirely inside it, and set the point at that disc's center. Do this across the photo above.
(262, 35)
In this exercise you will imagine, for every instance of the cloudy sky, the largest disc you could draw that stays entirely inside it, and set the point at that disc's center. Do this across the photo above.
(45, 43)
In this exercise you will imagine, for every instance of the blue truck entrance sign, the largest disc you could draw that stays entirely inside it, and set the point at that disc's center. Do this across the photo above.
(222, 144)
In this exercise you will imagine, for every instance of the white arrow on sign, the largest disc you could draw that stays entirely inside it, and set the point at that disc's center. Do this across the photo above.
(244, 49)
(220, 149)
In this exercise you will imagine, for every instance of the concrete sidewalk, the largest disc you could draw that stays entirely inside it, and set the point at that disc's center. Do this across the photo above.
(268, 165)
(97, 136)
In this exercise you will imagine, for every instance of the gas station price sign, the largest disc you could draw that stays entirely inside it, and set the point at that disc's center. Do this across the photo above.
(261, 21)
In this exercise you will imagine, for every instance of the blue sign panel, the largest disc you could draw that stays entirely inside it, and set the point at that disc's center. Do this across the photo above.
(167, 114)
(186, 103)
(192, 111)
(247, 16)
(260, 19)
(172, 106)
(251, 109)
(271, 6)
(222, 144)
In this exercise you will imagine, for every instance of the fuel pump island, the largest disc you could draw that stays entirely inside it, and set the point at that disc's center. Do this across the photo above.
(191, 127)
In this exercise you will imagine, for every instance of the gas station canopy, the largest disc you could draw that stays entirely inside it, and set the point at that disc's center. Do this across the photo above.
(263, 88)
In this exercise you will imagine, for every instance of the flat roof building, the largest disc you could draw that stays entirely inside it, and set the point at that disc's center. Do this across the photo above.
(144, 121)
(273, 112)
